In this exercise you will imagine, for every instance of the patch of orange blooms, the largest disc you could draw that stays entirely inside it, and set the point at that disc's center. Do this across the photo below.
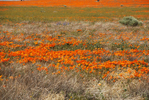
(88, 61)
(78, 3)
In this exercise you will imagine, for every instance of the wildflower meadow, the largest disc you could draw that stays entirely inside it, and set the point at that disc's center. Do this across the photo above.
(49, 51)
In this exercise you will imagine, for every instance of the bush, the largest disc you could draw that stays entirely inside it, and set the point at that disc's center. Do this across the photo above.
(130, 21)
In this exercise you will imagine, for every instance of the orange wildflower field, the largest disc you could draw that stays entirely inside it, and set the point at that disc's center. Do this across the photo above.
(36, 50)
(78, 3)
(74, 51)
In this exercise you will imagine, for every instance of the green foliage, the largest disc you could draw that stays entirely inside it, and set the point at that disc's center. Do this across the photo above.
(88, 46)
(130, 21)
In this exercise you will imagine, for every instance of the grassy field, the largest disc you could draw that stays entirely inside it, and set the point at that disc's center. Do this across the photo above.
(48, 14)
(52, 53)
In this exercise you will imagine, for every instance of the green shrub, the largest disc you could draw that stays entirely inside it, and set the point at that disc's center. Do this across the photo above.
(130, 21)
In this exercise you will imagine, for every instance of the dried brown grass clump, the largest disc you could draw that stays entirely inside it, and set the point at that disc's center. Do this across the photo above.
(54, 96)
(38, 85)
(120, 90)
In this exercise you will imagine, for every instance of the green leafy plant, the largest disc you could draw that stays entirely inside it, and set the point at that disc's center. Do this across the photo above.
(130, 21)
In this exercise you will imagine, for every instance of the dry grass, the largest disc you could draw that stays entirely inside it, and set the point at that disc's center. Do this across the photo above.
(120, 90)
(40, 86)
(35, 85)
